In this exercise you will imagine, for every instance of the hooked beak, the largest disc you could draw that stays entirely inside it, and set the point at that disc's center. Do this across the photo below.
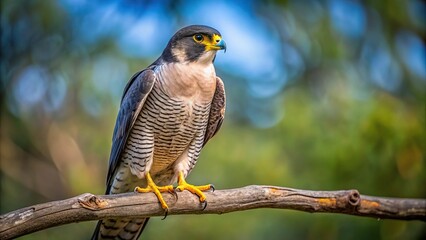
(217, 43)
(221, 45)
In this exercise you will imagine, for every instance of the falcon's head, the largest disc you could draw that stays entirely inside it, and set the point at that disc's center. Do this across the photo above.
(196, 43)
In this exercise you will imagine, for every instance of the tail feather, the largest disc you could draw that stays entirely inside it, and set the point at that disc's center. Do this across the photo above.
(128, 229)
(121, 228)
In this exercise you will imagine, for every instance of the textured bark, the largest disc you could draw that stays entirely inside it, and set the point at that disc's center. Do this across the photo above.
(91, 207)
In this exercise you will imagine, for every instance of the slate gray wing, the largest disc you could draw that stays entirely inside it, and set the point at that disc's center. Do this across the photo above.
(134, 96)
(217, 111)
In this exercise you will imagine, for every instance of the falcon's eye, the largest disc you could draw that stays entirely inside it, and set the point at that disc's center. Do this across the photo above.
(198, 37)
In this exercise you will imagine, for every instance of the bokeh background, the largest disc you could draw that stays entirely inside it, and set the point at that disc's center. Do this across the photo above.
(322, 95)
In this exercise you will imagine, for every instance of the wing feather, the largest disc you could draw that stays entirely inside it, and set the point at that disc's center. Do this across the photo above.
(134, 96)
(217, 111)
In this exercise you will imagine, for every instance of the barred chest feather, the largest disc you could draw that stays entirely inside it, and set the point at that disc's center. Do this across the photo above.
(173, 119)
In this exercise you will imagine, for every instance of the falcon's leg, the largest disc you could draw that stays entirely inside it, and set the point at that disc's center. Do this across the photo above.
(152, 187)
(197, 190)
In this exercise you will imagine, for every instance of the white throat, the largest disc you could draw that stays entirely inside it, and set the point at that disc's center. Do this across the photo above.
(191, 80)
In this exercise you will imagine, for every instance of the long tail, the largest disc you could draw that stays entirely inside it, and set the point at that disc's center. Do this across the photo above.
(122, 228)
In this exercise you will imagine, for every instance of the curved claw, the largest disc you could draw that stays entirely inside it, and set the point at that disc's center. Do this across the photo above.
(174, 193)
(166, 211)
(212, 187)
(205, 204)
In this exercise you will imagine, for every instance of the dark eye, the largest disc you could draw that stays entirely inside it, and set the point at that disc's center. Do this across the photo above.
(198, 37)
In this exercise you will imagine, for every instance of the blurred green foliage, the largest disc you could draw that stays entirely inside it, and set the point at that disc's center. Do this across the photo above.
(352, 117)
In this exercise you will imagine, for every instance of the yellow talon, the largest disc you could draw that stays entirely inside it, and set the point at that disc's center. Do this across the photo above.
(152, 187)
(197, 190)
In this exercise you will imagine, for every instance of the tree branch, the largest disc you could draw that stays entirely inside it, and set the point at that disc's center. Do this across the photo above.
(91, 207)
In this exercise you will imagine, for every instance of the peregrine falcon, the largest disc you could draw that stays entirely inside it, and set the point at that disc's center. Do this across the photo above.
(168, 113)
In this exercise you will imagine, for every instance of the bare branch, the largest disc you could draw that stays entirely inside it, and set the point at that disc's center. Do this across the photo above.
(91, 207)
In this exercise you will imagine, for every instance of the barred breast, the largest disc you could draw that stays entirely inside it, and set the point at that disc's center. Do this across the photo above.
(164, 129)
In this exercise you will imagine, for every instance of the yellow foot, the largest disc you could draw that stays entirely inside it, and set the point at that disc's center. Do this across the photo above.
(197, 190)
(152, 187)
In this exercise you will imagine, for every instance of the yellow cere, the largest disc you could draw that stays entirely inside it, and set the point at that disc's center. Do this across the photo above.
(210, 43)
